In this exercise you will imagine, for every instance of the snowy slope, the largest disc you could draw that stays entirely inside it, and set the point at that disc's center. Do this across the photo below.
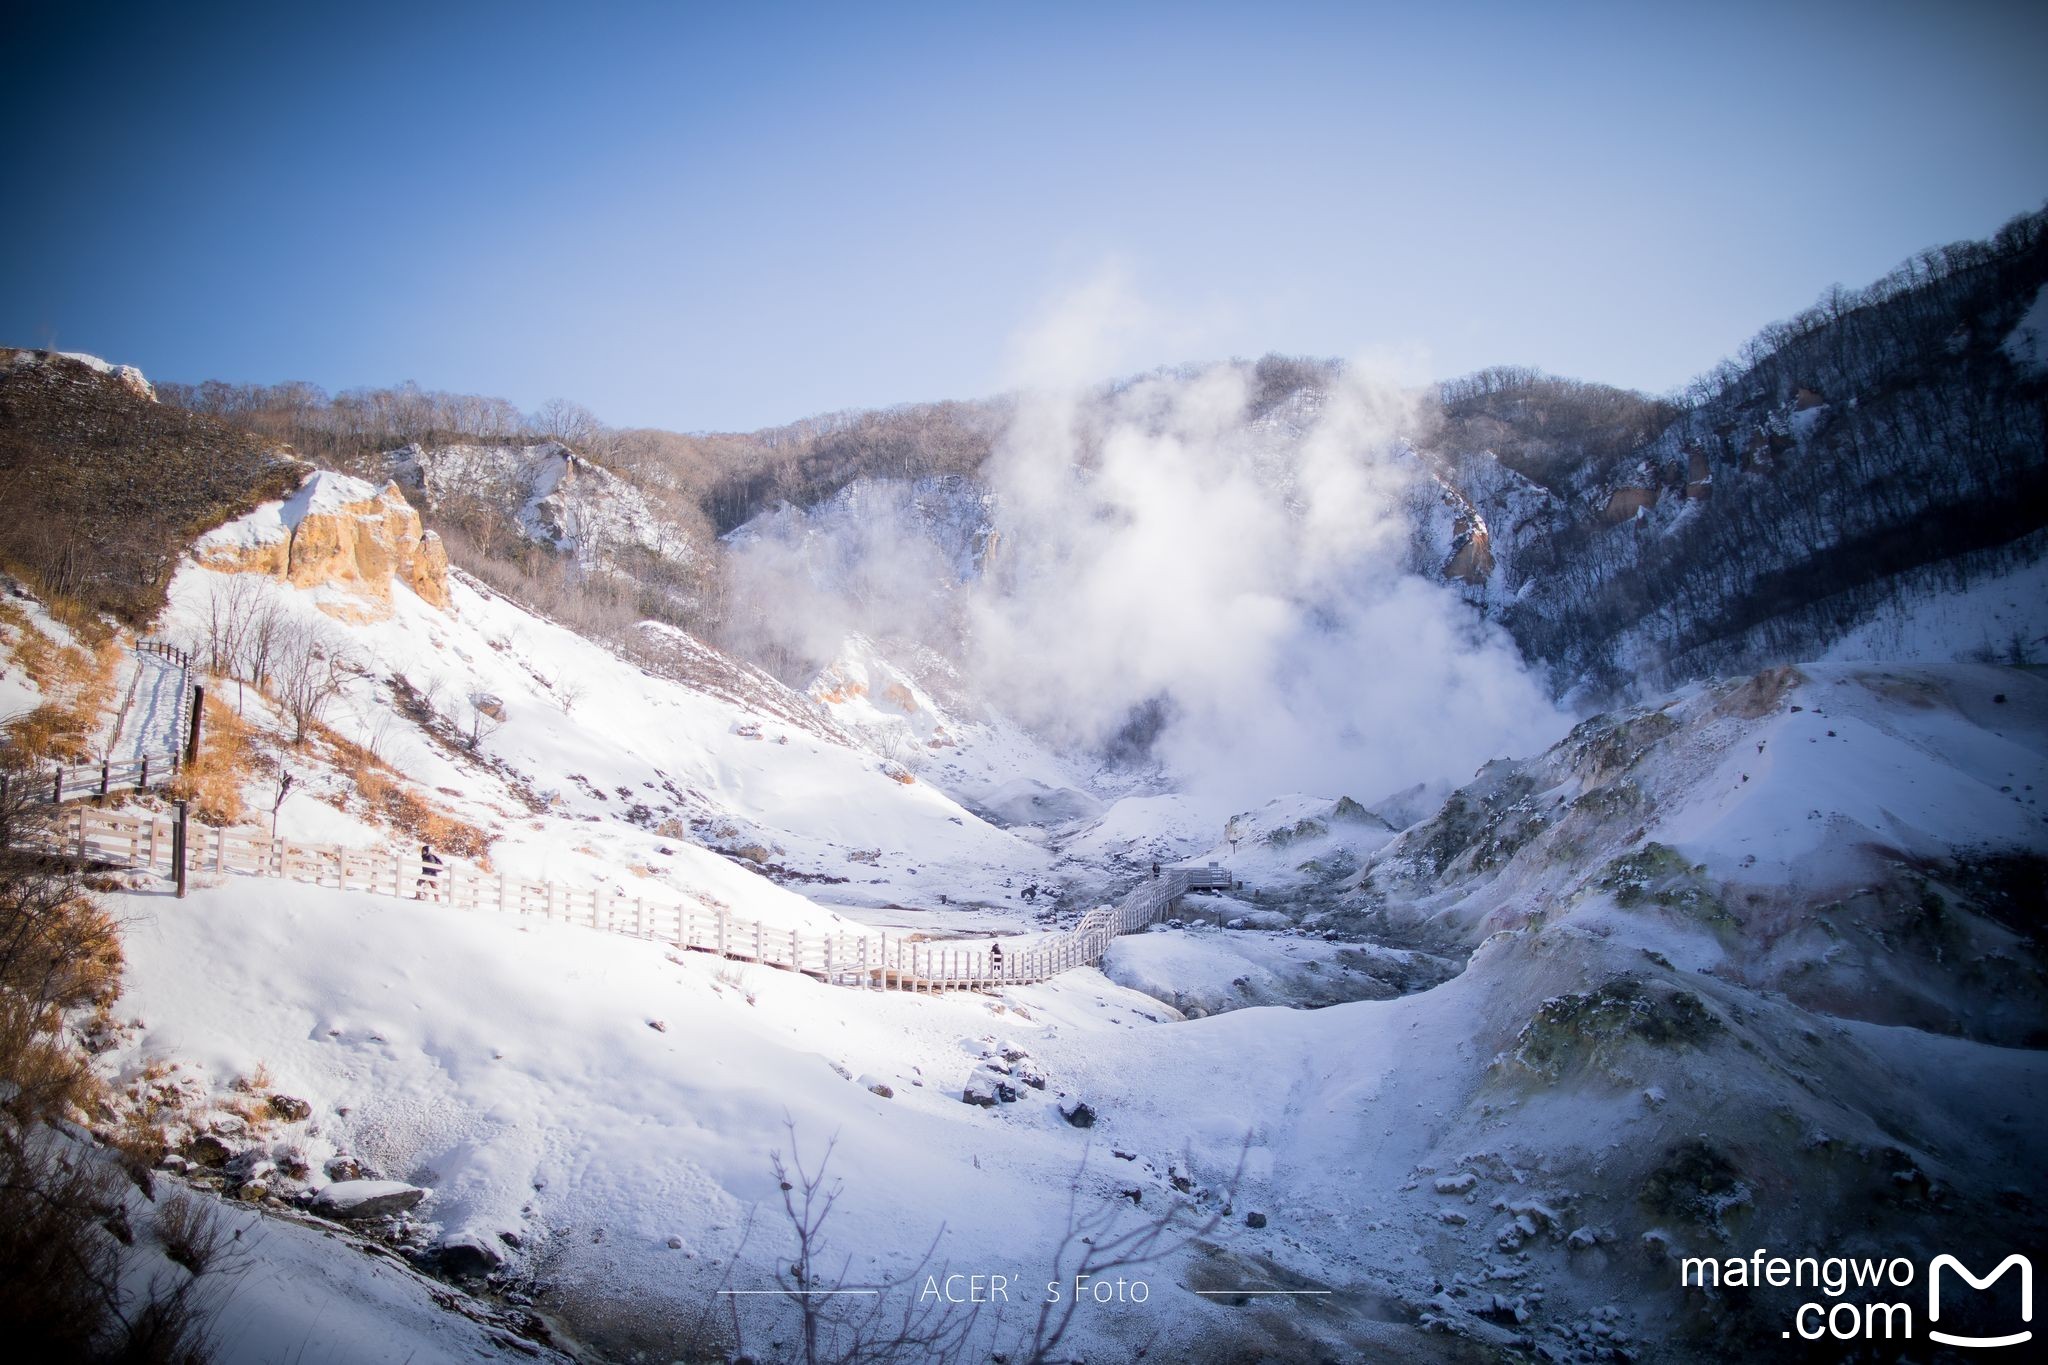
(2000, 618)
(910, 705)
(583, 767)
(614, 1109)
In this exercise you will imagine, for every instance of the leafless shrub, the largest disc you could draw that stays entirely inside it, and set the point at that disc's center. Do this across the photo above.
(310, 669)
(190, 1230)
(840, 1322)
(67, 1291)
(1104, 1241)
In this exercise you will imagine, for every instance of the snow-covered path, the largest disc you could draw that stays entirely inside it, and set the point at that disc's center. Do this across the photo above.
(151, 723)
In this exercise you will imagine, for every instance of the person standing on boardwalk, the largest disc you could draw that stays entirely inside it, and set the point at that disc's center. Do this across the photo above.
(995, 960)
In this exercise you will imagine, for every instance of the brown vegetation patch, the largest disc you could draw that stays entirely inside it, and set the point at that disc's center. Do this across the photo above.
(395, 803)
(1761, 694)
(213, 782)
(77, 684)
(107, 488)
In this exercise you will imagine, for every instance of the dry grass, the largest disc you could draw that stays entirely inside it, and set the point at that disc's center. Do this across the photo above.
(227, 762)
(395, 803)
(190, 1231)
(77, 684)
(106, 489)
(66, 1290)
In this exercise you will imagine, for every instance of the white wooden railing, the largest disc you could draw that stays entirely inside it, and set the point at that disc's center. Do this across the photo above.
(58, 783)
(144, 841)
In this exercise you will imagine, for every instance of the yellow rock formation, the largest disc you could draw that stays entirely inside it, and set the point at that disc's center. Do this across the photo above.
(336, 532)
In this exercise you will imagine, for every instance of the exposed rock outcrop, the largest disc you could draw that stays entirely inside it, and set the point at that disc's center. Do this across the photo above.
(337, 532)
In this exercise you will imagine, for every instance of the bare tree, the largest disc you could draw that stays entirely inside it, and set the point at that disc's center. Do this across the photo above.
(309, 672)
(486, 718)
(841, 1322)
(1103, 1242)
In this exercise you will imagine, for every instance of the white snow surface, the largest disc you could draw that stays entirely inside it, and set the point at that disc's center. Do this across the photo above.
(2027, 344)
(1917, 760)
(1983, 621)
(601, 770)
(515, 1072)
(153, 718)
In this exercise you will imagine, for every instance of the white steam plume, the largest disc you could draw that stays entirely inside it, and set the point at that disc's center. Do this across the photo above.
(1247, 577)
(1157, 552)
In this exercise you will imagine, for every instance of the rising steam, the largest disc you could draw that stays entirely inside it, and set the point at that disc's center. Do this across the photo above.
(1158, 553)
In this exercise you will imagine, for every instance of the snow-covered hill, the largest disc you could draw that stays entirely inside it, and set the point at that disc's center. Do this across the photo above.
(1660, 1045)
(573, 763)
(552, 497)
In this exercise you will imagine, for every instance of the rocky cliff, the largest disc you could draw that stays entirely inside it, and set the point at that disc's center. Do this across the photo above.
(336, 532)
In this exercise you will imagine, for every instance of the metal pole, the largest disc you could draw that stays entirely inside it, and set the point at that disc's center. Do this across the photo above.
(179, 848)
(198, 711)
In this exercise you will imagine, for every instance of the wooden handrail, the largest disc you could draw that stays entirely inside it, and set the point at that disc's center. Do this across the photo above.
(142, 841)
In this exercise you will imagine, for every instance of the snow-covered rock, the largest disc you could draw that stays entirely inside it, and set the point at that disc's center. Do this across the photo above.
(337, 533)
(554, 496)
(356, 1200)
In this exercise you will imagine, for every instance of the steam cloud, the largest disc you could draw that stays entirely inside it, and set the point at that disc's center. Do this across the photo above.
(1157, 553)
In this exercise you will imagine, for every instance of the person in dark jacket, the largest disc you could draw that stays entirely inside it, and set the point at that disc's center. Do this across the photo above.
(995, 959)
(429, 888)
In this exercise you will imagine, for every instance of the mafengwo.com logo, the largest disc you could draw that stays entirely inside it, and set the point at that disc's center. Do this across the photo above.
(1852, 1309)
(1948, 1262)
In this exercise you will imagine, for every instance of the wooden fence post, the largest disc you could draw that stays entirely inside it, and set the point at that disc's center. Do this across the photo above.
(198, 713)
(180, 848)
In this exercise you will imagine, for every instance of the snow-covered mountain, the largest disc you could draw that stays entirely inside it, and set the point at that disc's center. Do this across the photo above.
(1441, 1065)
(551, 496)
(1707, 971)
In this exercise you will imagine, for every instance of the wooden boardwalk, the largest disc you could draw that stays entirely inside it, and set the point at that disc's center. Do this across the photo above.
(154, 751)
(145, 841)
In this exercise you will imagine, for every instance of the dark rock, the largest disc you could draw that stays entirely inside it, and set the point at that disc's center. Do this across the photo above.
(344, 1168)
(977, 1092)
(1078, 1112)
(1255, 1220)
(207, 1150)
(467, 1257)
(290, 1109)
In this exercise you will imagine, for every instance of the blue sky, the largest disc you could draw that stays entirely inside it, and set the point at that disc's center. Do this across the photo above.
(720, 217)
